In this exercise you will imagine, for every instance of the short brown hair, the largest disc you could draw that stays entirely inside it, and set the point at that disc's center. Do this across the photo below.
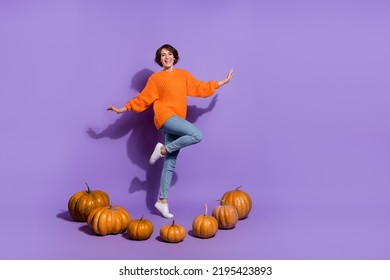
(175, 53)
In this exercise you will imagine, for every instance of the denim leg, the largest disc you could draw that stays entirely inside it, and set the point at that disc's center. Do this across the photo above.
(168, 167)
(188, 134)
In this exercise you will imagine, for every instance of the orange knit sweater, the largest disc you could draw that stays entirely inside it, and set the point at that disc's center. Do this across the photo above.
(168, 91)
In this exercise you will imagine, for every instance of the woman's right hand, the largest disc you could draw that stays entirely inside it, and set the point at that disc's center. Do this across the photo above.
(116, 110)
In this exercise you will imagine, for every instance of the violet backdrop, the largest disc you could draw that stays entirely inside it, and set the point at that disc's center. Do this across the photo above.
(303, 126)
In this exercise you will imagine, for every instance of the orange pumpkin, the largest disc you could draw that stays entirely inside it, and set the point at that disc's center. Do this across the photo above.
(108, 220)
(173, 233)
(140, 229)
(82, 203)
(240, 200)
(226, 215)
(205, 226)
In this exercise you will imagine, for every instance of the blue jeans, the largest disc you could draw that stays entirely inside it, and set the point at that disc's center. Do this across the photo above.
(179, 133)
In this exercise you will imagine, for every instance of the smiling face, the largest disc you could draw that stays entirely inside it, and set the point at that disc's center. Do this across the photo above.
(167, 59)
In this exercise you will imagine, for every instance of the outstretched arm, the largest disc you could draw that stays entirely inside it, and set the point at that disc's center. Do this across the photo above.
(117, 110)
(141, 102)
(227, 79)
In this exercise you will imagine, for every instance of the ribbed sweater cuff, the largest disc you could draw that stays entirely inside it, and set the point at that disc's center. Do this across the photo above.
(128, 106)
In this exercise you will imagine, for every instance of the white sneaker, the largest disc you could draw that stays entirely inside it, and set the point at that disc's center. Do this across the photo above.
(163, 208)
(156, 153)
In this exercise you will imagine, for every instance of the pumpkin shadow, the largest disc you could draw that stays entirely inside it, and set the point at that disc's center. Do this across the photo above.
(127, 237)
(142, 140)
(192, 234)
(64, 215)
(159, 238)
(244, 219)
(86, 229)
(227, 229)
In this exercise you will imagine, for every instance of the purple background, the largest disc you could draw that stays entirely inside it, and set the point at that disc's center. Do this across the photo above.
(303, 126)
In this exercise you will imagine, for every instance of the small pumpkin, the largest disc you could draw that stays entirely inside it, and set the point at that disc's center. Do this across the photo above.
(240, 200)
(173, 233)
(108, 220)
(82, 203)
(140, 229)
(226, 215)
(205, 226)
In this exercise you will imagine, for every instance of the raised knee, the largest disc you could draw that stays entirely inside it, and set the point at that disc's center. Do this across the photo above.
(198, 137)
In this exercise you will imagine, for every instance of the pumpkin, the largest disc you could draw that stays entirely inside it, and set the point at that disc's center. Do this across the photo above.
(173, 233)
(82, 203)
(226, 215)
(140, 229)
(108, 220)
(240, 200)
(205, 226)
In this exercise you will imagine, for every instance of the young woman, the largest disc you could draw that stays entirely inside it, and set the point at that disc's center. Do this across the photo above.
(167, 90)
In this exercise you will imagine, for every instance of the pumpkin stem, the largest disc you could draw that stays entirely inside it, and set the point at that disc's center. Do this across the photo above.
(141, 218)
(205, 212)
(223, 203)
(173, 222)
(89, 190)
(238, 188)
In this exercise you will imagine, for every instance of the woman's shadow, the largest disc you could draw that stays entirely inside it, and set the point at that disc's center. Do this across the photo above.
(142, 140)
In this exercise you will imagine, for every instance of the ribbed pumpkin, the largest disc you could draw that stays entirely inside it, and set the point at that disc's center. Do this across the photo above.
(205, 226)
(108, 220)
(82, 203)
(140, 229)
(226, 215)
(173, 233)
(240, 200)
